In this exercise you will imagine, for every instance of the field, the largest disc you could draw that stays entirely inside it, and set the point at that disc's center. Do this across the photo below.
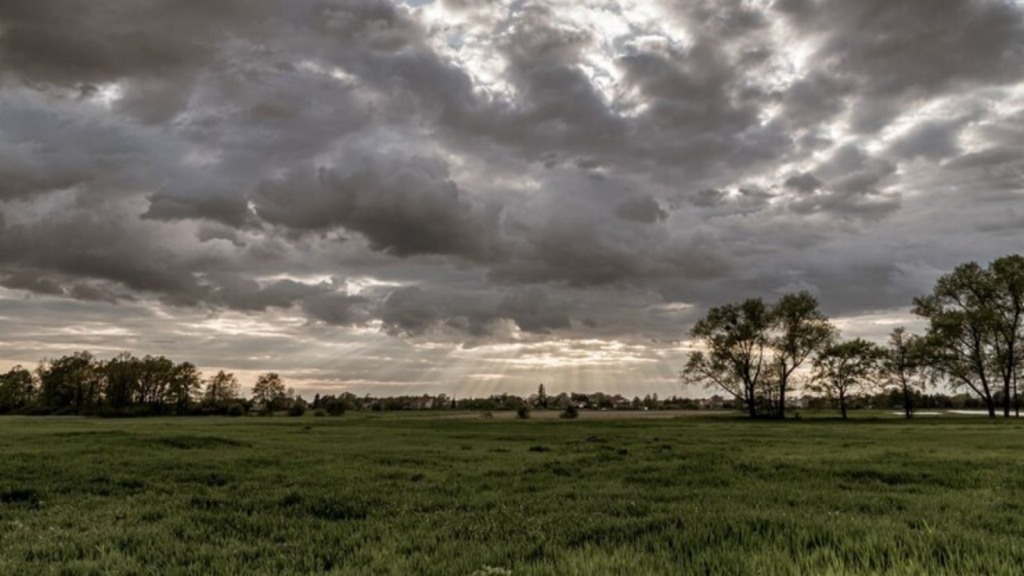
(408, 494)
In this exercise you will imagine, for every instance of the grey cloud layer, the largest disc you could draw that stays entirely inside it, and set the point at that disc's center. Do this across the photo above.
(503, 168)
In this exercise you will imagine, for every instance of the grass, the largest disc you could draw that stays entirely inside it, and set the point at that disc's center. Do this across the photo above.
(397, 494)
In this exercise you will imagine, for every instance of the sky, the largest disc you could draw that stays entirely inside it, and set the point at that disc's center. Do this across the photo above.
(477, 196)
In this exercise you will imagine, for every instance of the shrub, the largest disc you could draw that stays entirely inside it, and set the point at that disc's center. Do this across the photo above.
(523, 412)
(334, 406)
(298, 408)
(236, 410)
(570, 412)
(319, 412)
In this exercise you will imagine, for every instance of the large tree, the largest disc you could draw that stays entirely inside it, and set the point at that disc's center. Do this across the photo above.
(1007, 275)
(843, 368)
(800, 330)
(975, 322)
(751, 350)
(735, 339)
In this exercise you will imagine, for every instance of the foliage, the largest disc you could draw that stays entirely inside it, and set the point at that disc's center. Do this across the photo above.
(298, 408)
(17, 390)
(844, 368)
(903, 367)
(736, 338)
(800, 330)
(752, 349)
(976, 328)
(221, 388)
(269, 392)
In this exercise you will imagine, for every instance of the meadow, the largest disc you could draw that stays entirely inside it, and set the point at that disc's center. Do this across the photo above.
(411, 494)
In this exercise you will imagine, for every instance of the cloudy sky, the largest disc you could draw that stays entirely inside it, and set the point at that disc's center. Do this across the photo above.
(473, 196)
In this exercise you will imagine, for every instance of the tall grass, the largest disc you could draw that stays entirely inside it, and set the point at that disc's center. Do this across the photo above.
(409, 495)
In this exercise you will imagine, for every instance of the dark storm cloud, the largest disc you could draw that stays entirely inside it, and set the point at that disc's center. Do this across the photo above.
(893, 47)
(645, 210)
(410, 311)
(532, 311)
(31, 281)
(501, 169)
(403, 207)
(84, 245)
(334, 308)
(805, 182)
(706, 198)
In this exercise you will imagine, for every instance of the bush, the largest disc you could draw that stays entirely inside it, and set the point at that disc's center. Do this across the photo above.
(298, 408)
(571, 412)
(523, 412)
(334, 406)
(236, 410)
(319, 412)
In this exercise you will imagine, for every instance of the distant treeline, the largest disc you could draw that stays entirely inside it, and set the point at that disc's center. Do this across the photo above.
(126, 385)
(761, 353)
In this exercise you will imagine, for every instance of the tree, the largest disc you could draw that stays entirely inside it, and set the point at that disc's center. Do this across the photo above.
(1007, 276)
(800, 331)
(70, 383)
(964, 343)
(843, 368)
(185, 386)
(902, 367)
(298, 407)
(269, 391)
(735, 339)
(17, 389)
(222, 388)
(122, 380)
(542, 397)
(751, 350)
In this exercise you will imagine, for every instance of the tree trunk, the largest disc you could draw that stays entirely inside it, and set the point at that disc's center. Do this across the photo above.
(782, 400)
(908, 409)
(842, 405)
(1016, 396)
(751, 397)
(1008, 377)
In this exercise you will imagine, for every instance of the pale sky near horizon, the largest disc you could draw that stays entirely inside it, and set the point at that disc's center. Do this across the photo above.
(470, 197)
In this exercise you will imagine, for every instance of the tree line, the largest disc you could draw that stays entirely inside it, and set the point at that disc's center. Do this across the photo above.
(127, 385)
(759, 353)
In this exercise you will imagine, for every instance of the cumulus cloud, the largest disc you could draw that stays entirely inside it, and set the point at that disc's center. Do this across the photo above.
(404, 207)
(492, 171)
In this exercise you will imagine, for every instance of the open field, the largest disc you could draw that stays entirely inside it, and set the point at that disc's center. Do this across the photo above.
(394, 494)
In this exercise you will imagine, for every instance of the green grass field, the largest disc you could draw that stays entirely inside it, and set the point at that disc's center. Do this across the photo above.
(406, 494)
